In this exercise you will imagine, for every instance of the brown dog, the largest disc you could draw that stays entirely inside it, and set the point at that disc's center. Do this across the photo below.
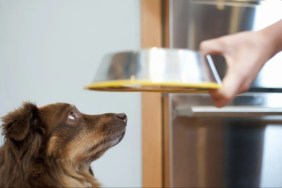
(53, 146)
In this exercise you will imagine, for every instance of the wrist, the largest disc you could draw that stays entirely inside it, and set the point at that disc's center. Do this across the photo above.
(272, 37)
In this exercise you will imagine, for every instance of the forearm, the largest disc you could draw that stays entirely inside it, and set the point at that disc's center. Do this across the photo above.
(272, 36)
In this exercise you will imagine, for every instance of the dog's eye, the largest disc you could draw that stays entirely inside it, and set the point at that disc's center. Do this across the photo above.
(72, 116)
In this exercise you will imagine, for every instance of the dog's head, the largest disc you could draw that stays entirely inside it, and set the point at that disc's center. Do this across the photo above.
(61, 131)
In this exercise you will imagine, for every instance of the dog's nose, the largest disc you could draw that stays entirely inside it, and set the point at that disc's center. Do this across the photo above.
(122, 116)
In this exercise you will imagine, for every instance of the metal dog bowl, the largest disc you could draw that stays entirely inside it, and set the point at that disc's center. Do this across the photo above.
(156, 70)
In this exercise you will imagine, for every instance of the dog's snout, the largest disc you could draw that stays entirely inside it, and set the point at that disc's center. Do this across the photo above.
(122, 116)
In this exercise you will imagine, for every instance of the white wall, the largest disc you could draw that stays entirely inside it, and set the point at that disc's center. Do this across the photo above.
(50, 49)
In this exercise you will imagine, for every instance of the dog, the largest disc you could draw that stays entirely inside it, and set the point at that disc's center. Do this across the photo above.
(54, 145)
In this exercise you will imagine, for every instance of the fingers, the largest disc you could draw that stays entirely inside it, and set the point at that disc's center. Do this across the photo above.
(231, 86)
(224, 95)
(212, 46)
(218, 99)
(244, 56)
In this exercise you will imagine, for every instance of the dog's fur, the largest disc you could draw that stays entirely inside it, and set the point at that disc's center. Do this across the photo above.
(54, 145)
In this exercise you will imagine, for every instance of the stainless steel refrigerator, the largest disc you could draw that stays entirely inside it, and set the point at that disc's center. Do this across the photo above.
(239, 145)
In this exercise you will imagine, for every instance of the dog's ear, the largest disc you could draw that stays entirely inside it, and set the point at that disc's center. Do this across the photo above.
(19, 123)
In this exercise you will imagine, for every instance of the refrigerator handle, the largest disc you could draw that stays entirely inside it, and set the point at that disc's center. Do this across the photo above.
(230, 111)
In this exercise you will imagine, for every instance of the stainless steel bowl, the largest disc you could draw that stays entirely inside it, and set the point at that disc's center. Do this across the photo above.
(156, 70)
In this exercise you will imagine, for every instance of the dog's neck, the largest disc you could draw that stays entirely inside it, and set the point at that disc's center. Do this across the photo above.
(73, 175)
(50, 170)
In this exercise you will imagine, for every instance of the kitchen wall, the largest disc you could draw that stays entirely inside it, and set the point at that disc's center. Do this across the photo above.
(50, 49)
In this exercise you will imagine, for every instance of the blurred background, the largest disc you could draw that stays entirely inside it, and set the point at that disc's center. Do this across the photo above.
(50, 49)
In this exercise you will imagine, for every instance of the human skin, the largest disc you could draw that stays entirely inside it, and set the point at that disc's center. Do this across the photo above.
(245, 54)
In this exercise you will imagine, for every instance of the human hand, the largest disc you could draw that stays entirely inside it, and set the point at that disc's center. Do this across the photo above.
(245, 54)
